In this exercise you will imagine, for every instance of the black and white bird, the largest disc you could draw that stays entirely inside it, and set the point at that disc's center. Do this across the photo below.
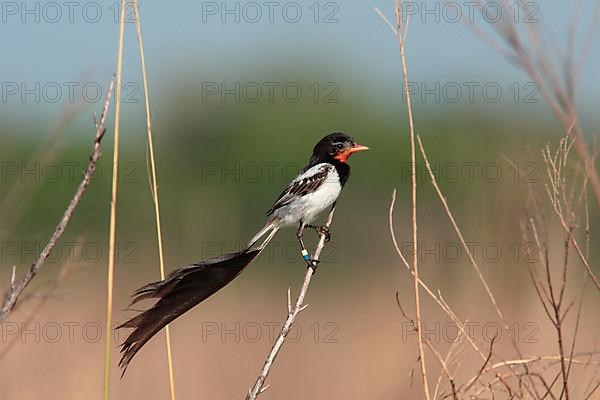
(316, 188)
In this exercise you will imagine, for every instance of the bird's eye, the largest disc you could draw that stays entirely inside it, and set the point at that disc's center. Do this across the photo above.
(339, 146)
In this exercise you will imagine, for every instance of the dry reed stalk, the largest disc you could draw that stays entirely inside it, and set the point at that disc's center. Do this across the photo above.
(561, 201)
(401, 40)
(154, 189)
(442, 361)
(470, 256)
(415, 265)
(437, 298)
(113, 209)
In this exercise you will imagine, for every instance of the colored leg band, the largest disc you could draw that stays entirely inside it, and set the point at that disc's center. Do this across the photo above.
(305, 255)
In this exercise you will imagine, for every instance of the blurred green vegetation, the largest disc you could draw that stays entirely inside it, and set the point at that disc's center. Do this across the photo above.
(222, 163)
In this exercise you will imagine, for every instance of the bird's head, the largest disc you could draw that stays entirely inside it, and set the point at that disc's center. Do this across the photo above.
(337, 146)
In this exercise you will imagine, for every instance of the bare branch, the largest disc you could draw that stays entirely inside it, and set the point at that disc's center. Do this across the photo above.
(16, 288)
(299, 306)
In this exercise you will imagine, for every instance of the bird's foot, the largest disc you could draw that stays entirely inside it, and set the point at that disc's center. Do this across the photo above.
(322, 230)
(311, 262)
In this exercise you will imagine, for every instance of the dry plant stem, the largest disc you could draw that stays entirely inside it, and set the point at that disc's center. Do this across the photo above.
(556, 165)
(526, 380)
(401, 40)
(552, 358)
(437, 298)
(583, 287)
(62, 275)
(466, 248)
(443, 362)
(113, 210)
(456, 228)
(154, 187)
(551, 291)
(552, 303)
(293, 312)
(446, 308)
(558, 321)
(16, 288)
(482, 369)
(535, 62)
(582, 257)
(555, 168)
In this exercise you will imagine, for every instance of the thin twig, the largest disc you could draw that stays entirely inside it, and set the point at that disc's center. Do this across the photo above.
(443, 363)
(457, 229)
(64, 272)
(482, 369)
(551, 292)
(299, 306)
(16, 288)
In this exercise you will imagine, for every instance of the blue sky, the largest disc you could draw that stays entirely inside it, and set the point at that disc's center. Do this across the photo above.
(77, 42)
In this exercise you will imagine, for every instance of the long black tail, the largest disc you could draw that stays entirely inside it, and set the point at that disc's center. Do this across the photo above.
(179, 292)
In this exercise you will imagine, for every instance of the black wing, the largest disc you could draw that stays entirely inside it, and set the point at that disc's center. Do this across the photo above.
(304, 184)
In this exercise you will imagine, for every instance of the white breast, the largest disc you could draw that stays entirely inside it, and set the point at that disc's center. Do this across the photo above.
(306, 208)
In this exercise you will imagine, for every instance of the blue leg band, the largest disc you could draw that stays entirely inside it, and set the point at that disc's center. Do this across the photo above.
(305, 255)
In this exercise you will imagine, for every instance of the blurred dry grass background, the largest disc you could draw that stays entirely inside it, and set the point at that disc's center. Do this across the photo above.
(375, 354)
(354, 342)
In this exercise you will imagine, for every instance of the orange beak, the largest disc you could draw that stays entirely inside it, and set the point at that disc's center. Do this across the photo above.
(343, 156)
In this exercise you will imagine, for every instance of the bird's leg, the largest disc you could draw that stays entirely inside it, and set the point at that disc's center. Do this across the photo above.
(305, 254)
(321, 230)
